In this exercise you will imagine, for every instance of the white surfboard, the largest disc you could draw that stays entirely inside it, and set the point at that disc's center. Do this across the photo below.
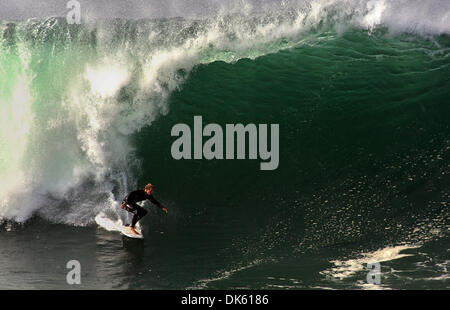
(110, 225)
(126, 232)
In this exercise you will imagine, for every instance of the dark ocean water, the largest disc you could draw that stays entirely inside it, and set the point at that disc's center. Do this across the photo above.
(363, 175)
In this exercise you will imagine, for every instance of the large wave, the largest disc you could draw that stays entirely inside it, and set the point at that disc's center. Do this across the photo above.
(72, 96)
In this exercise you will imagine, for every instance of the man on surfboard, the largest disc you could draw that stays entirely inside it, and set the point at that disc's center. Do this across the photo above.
(129, 203)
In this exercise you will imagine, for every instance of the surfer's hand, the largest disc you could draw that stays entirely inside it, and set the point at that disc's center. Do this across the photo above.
(122, 205)
(165, 210)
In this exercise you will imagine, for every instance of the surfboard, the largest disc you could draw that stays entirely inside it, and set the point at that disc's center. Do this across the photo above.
(110, 225)
(126, 232)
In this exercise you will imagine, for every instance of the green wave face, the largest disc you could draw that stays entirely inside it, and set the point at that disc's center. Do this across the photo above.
(87, 112)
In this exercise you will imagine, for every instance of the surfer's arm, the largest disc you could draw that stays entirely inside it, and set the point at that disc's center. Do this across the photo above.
(157, 203)
(124, 202)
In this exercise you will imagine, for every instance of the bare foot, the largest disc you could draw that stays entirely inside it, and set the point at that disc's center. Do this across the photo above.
(134, 231)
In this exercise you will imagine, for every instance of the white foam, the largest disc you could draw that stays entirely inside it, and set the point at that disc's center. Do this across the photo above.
(105, 222)
(375, 12)
(15, 124)
(431, 16)
(106, 78)
(346, 268)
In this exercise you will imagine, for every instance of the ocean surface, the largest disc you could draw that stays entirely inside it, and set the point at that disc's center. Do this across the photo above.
(361, 93)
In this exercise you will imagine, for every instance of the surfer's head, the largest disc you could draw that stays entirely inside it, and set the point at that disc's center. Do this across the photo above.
(148, 188)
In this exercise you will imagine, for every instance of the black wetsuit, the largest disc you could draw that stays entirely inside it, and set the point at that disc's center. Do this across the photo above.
(131, 204)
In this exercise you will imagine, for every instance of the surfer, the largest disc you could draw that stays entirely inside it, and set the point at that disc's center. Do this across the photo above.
(129, 203)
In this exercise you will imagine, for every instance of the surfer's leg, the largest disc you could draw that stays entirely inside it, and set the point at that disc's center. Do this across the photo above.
(139, 214)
